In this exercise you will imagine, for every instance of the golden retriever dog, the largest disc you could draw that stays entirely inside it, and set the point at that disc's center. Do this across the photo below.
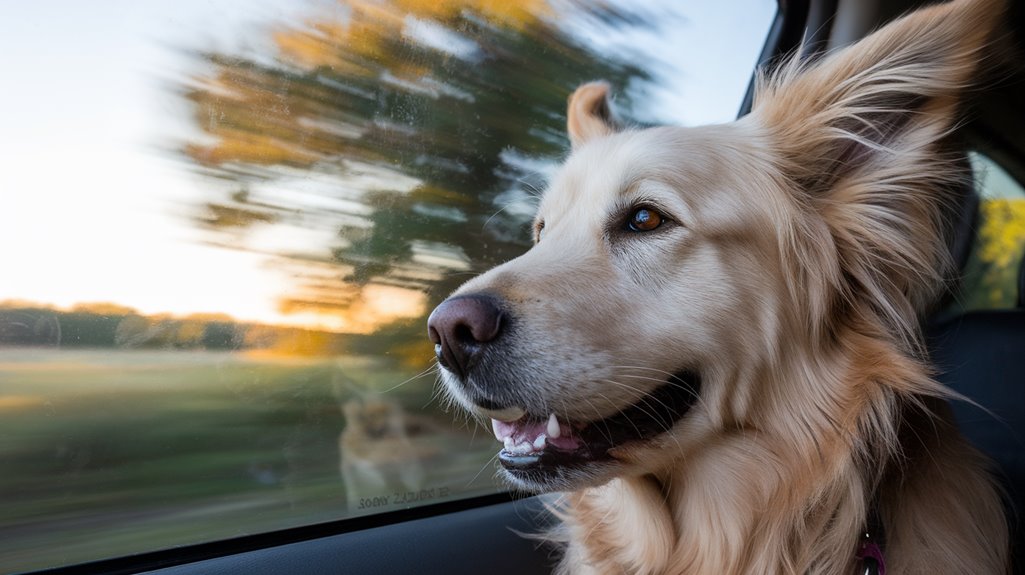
(713, 347)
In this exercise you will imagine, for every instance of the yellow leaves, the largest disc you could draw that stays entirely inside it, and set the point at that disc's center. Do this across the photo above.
(372, 25)
(439, 195)
(999, 249)
(103, 308)
(1002, 237)
(249, 147)
(337, 46)
(226, 217)
(317, 46)
(517, 15)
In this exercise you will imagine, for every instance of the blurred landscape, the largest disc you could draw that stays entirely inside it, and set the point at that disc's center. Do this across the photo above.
(114, 326)
(180, 438)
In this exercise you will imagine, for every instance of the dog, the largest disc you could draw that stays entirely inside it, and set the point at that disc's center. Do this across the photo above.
(713, 346)
(377, 451)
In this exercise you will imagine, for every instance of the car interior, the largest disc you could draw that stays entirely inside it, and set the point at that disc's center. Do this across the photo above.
(979, 354)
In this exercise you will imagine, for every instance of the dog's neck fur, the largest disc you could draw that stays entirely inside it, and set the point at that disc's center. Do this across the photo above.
(759, 510)
(756, 509)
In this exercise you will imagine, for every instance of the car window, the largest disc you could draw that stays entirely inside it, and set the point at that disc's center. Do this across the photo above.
(223, 224)
(990, 279)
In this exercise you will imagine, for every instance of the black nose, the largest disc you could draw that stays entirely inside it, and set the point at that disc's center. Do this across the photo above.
(460, 326)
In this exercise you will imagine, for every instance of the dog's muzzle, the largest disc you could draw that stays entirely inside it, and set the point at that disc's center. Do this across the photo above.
(474, 339)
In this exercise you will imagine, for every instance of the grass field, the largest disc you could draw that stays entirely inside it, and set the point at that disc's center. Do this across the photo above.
(110, 452)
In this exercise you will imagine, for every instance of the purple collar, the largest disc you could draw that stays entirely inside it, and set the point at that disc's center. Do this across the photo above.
(870, 555)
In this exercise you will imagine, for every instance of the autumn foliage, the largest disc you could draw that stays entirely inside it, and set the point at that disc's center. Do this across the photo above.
(408, 133)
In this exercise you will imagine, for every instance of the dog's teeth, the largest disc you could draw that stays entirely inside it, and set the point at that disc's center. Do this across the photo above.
(553, 427)
(539, 443)
(494, 428)
(521, 449)
(517, 448)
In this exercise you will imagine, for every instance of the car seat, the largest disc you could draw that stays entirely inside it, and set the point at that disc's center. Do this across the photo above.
(981, 355)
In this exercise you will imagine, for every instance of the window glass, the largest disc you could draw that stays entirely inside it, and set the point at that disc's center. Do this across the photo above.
(991, 276)
(223, 224)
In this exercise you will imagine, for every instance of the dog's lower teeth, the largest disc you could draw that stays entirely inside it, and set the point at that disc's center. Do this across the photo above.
(539, 443)
(519, 449)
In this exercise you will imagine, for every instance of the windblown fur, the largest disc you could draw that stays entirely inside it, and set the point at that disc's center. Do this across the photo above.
(806, 240)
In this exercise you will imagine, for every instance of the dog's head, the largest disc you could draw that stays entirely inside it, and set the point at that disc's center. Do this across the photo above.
(679, 275)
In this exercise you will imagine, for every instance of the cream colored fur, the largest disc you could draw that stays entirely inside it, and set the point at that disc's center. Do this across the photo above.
(803, 243)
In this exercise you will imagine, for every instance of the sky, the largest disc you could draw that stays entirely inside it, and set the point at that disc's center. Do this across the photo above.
(93, 208)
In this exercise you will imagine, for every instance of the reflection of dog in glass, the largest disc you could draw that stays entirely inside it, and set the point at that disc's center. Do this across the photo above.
(382, 448)
(714, 344)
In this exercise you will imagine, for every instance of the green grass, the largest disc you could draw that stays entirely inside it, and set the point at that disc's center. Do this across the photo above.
(106, 452)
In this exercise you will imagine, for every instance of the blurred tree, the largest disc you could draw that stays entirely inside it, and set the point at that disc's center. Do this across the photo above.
(420, 118)
(104, 308)
(188, 334)
(221, 335)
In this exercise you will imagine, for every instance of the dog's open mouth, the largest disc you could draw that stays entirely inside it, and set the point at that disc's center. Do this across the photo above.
(535, 443)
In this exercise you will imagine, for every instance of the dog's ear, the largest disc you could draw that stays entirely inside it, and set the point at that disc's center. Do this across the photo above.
(589, 115)
(862, 136)
(896, 91)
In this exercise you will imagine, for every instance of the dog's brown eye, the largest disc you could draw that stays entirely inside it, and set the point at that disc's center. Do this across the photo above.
(539, 231)
(644, 220)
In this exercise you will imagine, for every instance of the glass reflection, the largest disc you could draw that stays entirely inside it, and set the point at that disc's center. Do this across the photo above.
(226, 241)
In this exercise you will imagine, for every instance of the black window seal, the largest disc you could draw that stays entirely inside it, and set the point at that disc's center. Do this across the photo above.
(799, 25)
(175, 556)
